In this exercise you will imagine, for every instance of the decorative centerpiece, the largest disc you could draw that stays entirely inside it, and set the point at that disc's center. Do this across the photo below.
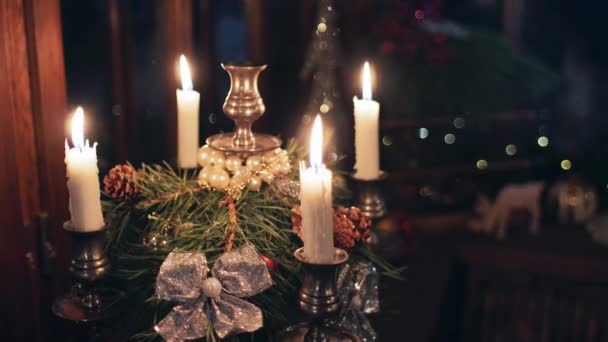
(209, 253)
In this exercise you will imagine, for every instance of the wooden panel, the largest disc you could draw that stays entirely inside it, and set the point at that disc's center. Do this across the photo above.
(19, 187)
(128, 143)
(43, 19)
(18, 95)
(33, 88)
(176, 26)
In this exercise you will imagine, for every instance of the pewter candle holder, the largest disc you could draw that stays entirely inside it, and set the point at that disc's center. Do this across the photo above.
(319, 301)
(86, 302)
(243, 105)
(370, 196)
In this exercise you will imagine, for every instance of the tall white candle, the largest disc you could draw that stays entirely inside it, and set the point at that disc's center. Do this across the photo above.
(187, 119)
(83, 179)
(367, 147)
(316, 202)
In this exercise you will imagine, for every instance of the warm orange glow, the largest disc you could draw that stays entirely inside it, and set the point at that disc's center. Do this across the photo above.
(366, 79)
(316, 143)
(185, 73)
(78, 128)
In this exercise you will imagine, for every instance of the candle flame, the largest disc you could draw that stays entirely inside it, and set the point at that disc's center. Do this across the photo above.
(316, 143)
(367, 82)
(78, 128)
(185, 73)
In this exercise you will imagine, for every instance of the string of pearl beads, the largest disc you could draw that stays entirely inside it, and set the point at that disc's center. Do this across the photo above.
(231, 173)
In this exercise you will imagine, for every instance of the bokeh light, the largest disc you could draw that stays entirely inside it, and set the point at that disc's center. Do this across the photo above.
(387, 141)
(542, 141)
(459, 122)
(423, 133)
(566, 164)
(482, 164)
(511, 150)
(449, 138)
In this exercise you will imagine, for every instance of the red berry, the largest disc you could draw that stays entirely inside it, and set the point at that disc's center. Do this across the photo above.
(272, 266)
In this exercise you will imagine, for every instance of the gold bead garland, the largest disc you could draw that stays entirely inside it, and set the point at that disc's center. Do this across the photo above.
(231, 174)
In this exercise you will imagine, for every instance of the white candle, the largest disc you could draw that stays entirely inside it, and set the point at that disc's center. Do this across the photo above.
(367, 148)
(316, 202)
(83, 179)
(187, 119)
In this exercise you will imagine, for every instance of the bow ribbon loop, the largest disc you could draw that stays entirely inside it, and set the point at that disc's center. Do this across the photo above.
(215, 300)
(358, 293)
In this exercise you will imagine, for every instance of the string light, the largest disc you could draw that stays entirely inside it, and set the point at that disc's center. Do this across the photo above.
(542, 141)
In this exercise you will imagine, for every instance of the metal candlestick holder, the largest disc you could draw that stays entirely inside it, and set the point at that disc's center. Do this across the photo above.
(87, 302)
(243, 105)
(318, 300)
(370, 195)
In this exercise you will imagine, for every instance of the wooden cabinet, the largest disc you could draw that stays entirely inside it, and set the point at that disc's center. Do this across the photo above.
(32, 186)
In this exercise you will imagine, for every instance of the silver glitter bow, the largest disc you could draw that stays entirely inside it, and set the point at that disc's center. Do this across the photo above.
(358, 291)
(215, 299)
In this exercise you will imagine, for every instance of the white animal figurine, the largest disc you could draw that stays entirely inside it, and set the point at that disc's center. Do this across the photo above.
(495, 217)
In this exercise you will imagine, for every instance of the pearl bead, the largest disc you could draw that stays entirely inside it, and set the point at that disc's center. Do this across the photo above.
(217, 159)
(255, 183)
(211, 287)
(219, 178)
(202, 156)
(275, 169)
(240, 178)
(233, 163)
(269, 157)
(204, 175)
(254, 163)
(284, 159)
(267, 176)
(285, 168)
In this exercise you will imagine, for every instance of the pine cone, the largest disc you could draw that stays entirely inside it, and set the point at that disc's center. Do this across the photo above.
(351, 226)
(361, 222)
(120, 182)
(345, 236)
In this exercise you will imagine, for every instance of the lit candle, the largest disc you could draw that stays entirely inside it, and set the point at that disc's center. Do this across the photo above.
(187, 119)
(316, 202)
(367, 165)
(83, 179)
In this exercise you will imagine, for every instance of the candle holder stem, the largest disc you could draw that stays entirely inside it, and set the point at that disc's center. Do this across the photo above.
(370, 195)
(318, 297)
(87, 302)
(319, 301)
